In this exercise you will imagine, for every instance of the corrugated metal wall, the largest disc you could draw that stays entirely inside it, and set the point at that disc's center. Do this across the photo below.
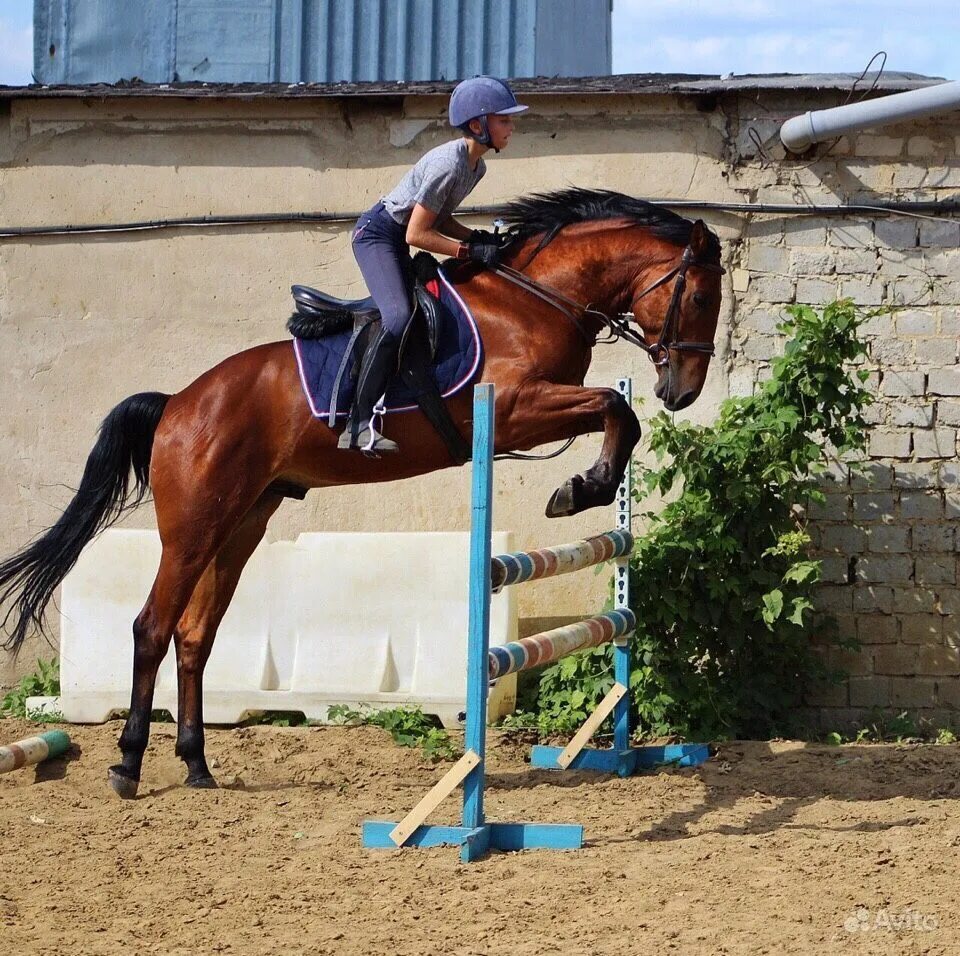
(317, 41)
(86, 41)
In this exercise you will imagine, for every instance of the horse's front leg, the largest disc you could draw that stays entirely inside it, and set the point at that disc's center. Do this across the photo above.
(547, 412)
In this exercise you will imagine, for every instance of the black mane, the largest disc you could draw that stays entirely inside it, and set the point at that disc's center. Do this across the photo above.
(550, 212)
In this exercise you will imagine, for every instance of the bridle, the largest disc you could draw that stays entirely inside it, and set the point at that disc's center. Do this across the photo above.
(618, 325)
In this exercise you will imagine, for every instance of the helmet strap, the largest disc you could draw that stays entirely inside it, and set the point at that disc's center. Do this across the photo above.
(486, 133)
(484, 137)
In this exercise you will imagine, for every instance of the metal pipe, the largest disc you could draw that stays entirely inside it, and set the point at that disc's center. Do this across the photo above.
(813, 127)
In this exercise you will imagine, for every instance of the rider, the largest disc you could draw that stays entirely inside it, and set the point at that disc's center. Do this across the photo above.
(419, 212)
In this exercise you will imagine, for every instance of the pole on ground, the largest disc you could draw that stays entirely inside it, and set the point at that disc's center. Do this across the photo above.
(22, 753)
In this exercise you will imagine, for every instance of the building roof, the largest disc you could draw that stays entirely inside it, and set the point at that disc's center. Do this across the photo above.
(683, 84)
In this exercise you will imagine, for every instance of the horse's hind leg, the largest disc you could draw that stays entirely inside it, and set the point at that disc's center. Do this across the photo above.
(197, 628)
(193, 529)
(176, 578)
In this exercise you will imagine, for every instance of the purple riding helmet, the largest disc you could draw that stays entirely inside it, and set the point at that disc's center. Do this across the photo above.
(477, 98)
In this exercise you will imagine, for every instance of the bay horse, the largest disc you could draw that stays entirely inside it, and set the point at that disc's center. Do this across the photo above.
(220, 456)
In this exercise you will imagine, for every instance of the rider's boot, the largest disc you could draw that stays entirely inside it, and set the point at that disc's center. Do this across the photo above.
(377, 368)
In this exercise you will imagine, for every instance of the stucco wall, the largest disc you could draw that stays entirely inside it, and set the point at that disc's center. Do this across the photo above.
(87, 321)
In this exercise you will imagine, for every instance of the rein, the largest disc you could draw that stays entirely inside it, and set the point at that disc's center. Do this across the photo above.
(618, 325)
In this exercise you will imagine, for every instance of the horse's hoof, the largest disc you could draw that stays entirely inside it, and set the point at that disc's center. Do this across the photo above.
(123, 786)
(201, 783)
(562, 502)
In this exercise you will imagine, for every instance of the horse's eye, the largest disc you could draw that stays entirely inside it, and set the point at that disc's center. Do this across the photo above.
(700, 298)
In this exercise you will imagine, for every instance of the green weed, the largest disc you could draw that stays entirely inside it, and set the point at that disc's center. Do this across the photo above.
(408, 726)
(886, 727)
(44, 682)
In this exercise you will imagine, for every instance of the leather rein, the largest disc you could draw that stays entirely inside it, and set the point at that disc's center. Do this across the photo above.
(618, 325)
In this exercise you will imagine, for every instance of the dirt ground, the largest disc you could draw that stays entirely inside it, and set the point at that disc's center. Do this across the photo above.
(768, 848)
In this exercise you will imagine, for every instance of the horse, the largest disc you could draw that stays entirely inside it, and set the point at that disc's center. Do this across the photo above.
(220, 456)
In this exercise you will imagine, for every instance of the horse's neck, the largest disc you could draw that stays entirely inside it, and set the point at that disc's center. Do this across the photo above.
(584, 273)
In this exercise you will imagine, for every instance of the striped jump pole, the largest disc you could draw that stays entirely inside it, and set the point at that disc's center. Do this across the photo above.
(550, 646)
(23, 753)
(522, 566)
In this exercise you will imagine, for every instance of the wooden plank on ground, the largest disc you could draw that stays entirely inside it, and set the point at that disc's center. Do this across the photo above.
(590, 725)
(440, 791)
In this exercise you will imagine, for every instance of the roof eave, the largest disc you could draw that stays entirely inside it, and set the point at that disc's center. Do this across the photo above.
(679, 84)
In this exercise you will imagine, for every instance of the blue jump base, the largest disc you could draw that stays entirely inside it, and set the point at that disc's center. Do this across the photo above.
(475, 842)
(624, 763)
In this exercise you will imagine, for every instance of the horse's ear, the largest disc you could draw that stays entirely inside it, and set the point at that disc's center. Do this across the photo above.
(698, 238)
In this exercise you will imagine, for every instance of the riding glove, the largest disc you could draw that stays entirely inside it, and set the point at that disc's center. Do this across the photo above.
(485, 235)
(484, 252)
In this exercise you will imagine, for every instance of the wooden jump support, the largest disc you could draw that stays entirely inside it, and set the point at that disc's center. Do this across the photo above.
(484, 664)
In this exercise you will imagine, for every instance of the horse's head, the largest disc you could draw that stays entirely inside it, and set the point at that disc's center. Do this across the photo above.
(676, 303)
(617, 253)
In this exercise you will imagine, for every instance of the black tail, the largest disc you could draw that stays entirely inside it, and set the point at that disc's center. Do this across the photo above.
(29, 578)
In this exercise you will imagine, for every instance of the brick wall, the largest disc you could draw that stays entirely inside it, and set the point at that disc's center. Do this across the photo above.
(888, 539)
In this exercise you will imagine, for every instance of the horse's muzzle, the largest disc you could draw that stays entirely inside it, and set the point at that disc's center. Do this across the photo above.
(673, 402)
(682, 401)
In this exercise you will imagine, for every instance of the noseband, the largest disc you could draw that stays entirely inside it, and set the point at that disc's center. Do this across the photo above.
(618, 325)
(659, 351)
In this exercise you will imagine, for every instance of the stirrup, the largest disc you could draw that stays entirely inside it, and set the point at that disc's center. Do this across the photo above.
(368, 440)
(373, 444)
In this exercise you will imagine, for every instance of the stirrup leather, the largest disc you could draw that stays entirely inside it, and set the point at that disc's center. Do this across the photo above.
(376, 370)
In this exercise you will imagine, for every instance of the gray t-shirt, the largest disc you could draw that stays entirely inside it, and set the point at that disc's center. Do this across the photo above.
(440, 181)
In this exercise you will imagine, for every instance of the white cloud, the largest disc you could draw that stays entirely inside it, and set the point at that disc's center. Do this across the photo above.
(16, 54)
(776, 36)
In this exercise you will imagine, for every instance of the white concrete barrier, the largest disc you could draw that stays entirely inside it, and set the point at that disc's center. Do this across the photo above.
(378, 619)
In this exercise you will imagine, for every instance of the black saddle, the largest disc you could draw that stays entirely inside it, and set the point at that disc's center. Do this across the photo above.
(315, 304)
(328, 309)
(319, 314)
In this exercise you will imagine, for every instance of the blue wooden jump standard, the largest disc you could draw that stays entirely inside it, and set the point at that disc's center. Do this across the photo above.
(476, 836)
(622, 759)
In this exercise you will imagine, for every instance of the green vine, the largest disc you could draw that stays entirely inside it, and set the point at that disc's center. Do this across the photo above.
(722, 582)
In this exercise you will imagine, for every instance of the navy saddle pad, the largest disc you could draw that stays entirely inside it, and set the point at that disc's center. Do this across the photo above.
(459, 354)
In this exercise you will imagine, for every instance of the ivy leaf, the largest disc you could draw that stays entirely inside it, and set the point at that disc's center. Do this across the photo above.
(772, 606)
(802, 571)
(799, 606)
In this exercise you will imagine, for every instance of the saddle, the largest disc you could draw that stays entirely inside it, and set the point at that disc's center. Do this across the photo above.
(319, 314)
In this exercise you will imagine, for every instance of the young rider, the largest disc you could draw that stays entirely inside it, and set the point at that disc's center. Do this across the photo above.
(419, 212)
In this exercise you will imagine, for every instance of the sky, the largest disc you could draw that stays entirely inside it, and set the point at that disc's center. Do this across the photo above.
(710, 36)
